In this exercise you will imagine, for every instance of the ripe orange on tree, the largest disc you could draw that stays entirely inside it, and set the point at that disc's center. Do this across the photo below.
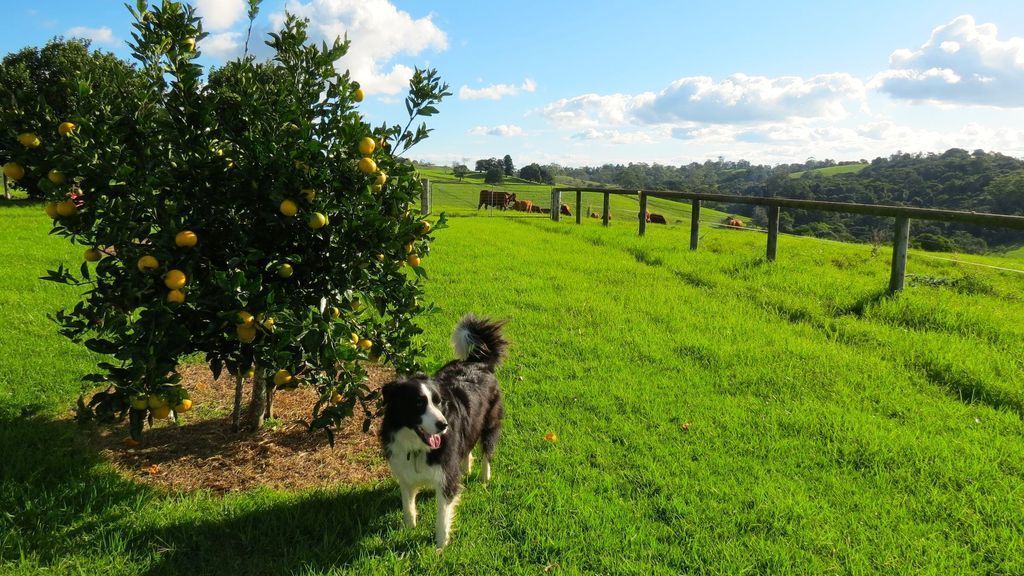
(317, 221)
(146, 263)
(289, 208)
(29, 140)
(282, 377)
(246, 334)
(175, 280)
(366, 145)
(66, 208)
(66, 128)
(367, 166)
(186, 239)
(14, 171)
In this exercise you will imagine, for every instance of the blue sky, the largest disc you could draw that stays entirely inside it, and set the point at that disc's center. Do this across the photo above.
(651, 81)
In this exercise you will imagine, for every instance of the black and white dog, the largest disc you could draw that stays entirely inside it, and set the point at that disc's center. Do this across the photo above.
(431, 424)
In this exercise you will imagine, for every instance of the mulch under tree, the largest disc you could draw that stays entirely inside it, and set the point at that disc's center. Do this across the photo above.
(202, 452)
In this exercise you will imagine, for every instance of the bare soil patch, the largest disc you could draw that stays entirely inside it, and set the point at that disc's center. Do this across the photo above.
(202, 453)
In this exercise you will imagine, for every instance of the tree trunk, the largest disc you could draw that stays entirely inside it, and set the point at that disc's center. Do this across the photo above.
(258, 402)
(271, 390)
(7, 191)
(236, 414)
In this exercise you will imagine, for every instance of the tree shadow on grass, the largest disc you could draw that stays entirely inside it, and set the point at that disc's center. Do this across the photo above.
(62, 502)
(54, 491)
(316, 531)
(15, 202)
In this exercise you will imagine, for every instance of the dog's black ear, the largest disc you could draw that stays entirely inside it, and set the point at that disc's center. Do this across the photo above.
(388, 391)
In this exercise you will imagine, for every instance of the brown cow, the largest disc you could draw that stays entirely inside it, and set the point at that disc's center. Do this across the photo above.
(536, 209)
(496, 199)
(734, 222)
(524, 205)
(564, 210)
(656, 219)
(595, 215)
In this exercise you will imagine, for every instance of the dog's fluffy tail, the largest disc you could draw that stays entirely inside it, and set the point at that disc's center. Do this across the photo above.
(480, 340)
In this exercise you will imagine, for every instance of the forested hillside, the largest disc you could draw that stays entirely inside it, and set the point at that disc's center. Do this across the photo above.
(957, 180)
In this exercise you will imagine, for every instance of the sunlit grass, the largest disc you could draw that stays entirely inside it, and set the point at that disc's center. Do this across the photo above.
(714, 413)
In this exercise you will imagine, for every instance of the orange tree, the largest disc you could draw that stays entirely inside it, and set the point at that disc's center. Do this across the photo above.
(41, 83)
(251, 216)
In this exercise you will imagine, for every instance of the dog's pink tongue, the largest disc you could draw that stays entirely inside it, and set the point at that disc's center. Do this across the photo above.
(434, 440)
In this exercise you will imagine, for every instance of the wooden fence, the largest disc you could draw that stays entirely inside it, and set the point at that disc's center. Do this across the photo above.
(902, 215)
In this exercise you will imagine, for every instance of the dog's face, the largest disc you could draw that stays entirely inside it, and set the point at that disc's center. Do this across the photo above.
(415, 404)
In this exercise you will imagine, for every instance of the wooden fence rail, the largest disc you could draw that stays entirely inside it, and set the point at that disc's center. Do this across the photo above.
(902, 214)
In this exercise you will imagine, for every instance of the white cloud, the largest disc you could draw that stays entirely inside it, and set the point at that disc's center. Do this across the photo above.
(595, 110)
(492, 92)
(742, 98)
(220, 14)
(962, 63)
(496, 91)
(379, 32)
(223, 45)
(102, 35)
(736, 99)
(613, 136)
(502, 130)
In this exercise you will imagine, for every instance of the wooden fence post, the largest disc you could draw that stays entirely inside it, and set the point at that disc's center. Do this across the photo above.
(642, 215)
(899, 254)
(773, 232)
(579, 206)
(556, 204)
(607, 209)
(425, 198)
(694, 224)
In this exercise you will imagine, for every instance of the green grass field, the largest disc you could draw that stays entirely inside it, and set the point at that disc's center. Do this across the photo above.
(1015, 254)
(832, 170)
(831, 429)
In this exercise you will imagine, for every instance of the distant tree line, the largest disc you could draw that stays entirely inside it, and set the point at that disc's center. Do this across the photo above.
(495, 170)
(954, 180)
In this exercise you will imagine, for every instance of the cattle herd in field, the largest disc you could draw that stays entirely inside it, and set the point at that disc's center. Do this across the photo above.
(508, 201)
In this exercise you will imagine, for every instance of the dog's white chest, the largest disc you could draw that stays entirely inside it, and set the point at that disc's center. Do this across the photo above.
(408, 461)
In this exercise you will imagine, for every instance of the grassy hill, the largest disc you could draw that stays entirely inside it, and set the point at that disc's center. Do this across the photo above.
(714, 413)
(1016, 254)
(461, 198)
(831, 170)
